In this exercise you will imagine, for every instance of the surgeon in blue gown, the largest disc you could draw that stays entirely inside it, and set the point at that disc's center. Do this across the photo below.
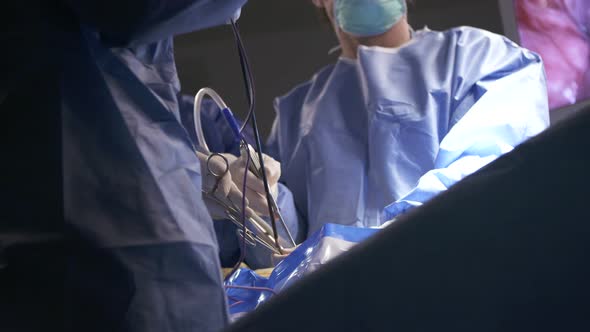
(401, 115)
(147, 257)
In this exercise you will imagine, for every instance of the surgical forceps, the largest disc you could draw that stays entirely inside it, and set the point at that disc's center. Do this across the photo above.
(263, 232)
(256, 168)
(232, 211)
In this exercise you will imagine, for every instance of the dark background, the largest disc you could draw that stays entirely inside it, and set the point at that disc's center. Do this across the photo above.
(287, 43)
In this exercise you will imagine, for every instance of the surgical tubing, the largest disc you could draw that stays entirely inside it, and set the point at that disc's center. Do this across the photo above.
(253, 288)
(197, 113)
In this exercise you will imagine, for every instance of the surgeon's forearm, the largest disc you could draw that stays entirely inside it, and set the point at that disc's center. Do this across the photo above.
(296, 224)
(436, 181)
(132, 22)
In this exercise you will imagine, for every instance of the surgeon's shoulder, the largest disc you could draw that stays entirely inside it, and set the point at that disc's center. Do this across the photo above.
(292, 102)
(477, 39)
(470, 35)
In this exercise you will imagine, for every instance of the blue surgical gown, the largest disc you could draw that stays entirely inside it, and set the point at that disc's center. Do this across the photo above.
(365, 140)
(147, 258)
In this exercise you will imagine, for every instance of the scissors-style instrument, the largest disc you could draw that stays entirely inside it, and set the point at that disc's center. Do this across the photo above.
(256, 168)
(262, 233)
(217, 176)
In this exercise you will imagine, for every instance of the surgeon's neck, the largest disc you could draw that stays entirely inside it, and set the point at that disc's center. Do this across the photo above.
(398, 35)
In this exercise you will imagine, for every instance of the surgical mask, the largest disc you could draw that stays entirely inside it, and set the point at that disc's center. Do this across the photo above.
(368, 17)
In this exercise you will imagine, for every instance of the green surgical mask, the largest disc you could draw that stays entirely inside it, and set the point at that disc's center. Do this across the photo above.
(368, 17)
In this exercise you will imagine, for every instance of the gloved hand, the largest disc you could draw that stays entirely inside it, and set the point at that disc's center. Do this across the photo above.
(226, 189)
(255, 192)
